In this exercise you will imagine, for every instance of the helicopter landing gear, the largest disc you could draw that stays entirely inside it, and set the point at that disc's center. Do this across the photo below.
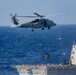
(32, 29)
(42, 28)
(48, 27)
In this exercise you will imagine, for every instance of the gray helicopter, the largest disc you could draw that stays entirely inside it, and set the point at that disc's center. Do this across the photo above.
(39, 22)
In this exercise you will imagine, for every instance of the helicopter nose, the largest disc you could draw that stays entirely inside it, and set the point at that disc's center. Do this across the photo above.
(54, 24)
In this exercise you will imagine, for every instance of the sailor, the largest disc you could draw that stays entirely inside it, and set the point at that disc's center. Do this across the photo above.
(47, 56)
(65, 62)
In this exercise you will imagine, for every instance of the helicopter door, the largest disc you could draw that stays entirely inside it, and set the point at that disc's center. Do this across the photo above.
(41, 23)
(45, 23)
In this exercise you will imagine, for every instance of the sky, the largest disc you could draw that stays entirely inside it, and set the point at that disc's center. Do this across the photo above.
(43, 7)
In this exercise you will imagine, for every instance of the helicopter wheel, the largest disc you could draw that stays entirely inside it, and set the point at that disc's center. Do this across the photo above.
(42, 28)
(32, 30)
(48, 27)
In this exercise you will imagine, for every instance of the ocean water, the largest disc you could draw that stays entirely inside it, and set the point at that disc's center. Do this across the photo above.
(22, 46)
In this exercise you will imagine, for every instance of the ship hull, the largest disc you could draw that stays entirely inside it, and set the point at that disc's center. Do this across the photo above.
(61, 70)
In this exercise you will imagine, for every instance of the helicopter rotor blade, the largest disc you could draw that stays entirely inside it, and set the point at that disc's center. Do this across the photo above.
(11, 15)
(28, 16)
(16, 19)
(53, 15)
(15, 14)
(38, 15)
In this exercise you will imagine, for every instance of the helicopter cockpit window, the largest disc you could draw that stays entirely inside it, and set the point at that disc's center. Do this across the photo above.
(36, 20)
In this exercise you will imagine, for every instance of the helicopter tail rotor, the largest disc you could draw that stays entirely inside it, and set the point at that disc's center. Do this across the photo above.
(14, 19)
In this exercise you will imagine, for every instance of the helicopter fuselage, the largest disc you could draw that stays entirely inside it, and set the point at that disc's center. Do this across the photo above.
(38, 23)
(41, 22)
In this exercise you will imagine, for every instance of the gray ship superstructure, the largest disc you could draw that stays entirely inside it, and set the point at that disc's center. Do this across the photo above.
(50, 69)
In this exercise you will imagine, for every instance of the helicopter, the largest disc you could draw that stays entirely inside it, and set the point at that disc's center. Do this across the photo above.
(39, 22)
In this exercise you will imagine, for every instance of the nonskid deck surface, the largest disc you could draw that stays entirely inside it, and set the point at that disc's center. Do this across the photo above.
(46, 69)
(43, 66)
